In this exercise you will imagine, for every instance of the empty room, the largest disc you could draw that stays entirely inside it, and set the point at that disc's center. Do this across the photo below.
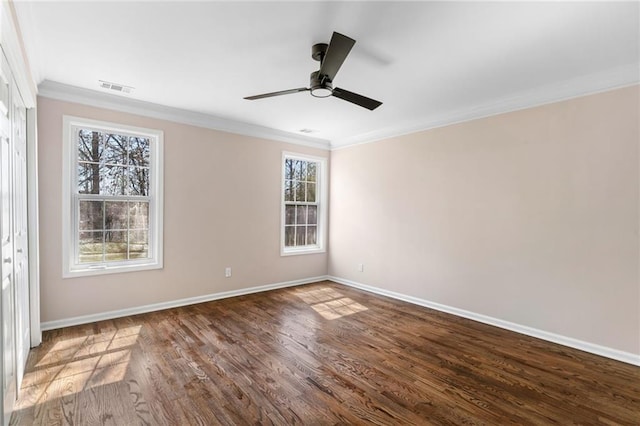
(320, 212)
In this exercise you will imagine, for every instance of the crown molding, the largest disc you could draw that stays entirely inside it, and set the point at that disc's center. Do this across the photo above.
(568, 89)
(611, 79)
(11, 41)
(68, 93)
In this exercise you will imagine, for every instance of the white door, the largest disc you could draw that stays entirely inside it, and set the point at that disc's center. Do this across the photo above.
(7, 246)
(20, 234)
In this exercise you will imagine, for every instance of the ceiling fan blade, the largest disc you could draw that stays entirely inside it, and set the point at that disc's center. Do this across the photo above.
(354, 98)
(282, 92)
(339, 47)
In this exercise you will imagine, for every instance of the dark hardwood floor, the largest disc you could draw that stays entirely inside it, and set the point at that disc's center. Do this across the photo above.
(316, 354)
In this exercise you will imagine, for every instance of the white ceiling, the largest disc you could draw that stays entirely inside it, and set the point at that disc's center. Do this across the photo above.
(429, 62)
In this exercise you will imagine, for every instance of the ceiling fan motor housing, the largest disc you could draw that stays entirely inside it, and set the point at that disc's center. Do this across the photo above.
(320, 87)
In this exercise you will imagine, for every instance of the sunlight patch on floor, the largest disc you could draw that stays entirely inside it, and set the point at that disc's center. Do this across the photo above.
(329, 303)
(77, 364)
(79, 347)
(338, 308)
(40, 387)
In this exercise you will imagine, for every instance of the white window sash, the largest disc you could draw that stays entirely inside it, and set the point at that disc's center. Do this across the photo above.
(320, 203)
(71, 200)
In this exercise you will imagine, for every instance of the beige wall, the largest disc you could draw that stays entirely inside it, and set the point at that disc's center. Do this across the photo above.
(530, 217)
(222, 208)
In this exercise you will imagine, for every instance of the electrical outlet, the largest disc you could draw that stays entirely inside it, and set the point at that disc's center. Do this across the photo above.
(360, 267)
(227, 271)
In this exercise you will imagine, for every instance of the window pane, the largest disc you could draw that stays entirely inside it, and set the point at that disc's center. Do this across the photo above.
(139, 152)
(311, 192)
(311, 235)
(289, 169)
(301, 193)
(115, 215)
(115, 149)
(88, 178)
(289, 236)
(288, 191)
(113, 180)
(139, 215)
(90, 247)
(114, 197)
(91, 215)
(300, 190)
(301, 215)
(290, 215)
(312, 171)
(115, 245)
(301, 170)
(312, 217)
(138, 181)
(90, 145)
(300, 236)
(138, 244)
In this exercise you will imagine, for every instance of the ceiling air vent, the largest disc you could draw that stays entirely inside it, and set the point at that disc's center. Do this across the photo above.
(115, 86)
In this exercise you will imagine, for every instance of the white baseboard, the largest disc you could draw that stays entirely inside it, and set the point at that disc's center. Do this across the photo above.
(85, 319)
(607, 352)
(604, 351)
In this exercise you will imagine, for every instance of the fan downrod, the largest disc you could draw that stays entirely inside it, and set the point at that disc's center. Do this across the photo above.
(319, 84)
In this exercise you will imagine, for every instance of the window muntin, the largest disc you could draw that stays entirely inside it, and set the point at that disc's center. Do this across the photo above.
(112, 231)
(113, 188)
(303, 204)
(112, 164)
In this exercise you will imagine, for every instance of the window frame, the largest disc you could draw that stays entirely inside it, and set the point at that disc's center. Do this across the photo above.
(321, 199)
(70, 200)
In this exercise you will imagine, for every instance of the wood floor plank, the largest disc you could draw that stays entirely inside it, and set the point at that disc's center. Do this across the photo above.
(316, 354)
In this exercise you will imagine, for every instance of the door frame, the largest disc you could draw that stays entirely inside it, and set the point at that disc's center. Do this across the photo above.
(14, 49)
(34, 227)
(13, 46)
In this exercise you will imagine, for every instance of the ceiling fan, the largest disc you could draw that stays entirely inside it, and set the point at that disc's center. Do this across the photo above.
(331, 57)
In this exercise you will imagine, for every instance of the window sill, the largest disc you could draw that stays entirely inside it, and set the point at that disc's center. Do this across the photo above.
(302, 250)
(105, 270)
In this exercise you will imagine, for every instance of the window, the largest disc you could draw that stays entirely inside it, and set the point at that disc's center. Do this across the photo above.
(303, 204)
(112, 189)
